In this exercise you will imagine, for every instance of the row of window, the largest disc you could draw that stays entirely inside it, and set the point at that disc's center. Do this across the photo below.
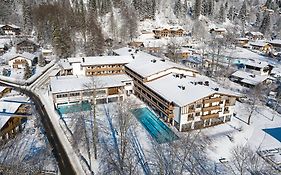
(89, 93)
(105, 72)
(105, 66)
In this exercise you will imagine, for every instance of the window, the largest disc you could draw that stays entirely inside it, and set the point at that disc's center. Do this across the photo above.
(100, 92)
(198, 106)
(190, 117)
(74, 94)
(197, 114)
(61, 95)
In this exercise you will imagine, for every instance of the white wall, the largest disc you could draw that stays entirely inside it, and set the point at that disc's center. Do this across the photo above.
(77, 69)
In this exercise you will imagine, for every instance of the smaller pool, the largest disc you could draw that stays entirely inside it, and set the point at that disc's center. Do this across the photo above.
(65, 109)
(156, 128)
(274, 132)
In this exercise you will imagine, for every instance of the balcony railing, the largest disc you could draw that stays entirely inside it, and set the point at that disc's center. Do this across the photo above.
(209, 116)
(212, 100)
(210, 108)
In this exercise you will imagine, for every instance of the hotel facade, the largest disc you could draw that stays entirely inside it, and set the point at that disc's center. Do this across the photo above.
(179, 95)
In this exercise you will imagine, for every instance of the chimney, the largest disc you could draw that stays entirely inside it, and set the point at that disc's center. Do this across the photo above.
(83, 60)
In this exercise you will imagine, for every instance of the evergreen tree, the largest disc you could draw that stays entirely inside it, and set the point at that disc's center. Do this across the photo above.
(106, 7)
(93, 7)
(230, 14)
(210, 7)
(226, 5)
(27, 71)
(269, 4)
(266, 24)
(197, 8)
(258, 19)
(153, 8)
(178, 8)
(184, 8)
(256, 2)
(62, 42)
(41, 61)
(222, 13)
(243, 12)
(27, 16)
(205, 7)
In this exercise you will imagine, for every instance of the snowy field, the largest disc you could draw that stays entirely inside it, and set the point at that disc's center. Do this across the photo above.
(237, 132)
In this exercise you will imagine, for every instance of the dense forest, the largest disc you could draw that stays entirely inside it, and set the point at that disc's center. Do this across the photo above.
(90, 26)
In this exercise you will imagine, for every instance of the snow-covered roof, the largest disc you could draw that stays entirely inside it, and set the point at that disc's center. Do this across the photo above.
(46, 50)
(249, 78)
(255, 33)
(26, 40)
(11, 25)
(275, 42)
(3, 120)
(242, 39)
(2, 88)
(219, 29)
(10, 105)
(147, 65)
(64, 64)
(63, 84)
(255, 63)
(170, 88)
(259, 43)
(170, 28)
(105, 60)
(9, 56)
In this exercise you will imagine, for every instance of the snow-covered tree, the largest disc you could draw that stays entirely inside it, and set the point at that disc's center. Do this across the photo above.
(27, 71)
(178, 8)
(258, 19)
(197, 8)
(222, 13)
(27, 16)
(243, 12)
(230, 14)
(265, 27)
(269, 4)
(41, 61)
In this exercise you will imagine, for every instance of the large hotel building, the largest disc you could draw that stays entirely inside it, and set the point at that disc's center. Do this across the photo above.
(179, 95)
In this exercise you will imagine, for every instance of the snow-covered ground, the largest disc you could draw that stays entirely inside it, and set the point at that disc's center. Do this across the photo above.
(237, 132)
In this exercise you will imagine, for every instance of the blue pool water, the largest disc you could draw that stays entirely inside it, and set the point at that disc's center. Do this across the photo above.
(156, 128)
(84, 106)
(274, 132)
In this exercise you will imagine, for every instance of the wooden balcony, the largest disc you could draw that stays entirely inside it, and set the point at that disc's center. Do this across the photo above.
(166, 112)
(104, 69)
(226, 112)
(209, 116)
(151, 94)
(212, 100)
(191, 110)
(210, 108)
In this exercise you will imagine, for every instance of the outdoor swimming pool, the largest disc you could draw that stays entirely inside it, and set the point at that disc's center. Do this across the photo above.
(156, 128)
(274, 132)
(84, 106)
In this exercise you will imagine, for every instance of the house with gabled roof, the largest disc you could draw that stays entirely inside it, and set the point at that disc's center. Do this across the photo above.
(18, 61)
(26, 46)
(10, 29)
